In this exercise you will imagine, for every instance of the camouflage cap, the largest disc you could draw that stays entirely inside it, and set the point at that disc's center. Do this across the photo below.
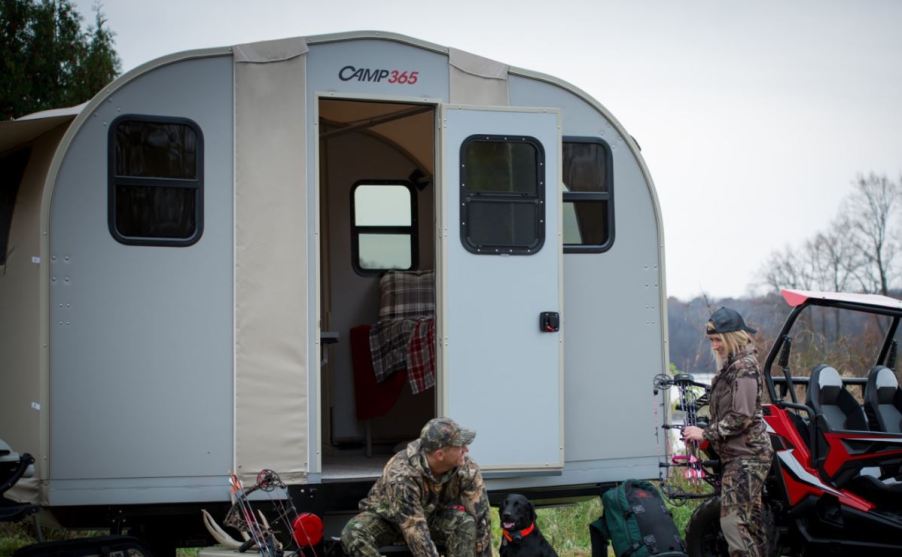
(444, 432)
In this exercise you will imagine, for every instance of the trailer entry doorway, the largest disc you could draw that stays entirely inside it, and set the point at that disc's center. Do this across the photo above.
(377, 241)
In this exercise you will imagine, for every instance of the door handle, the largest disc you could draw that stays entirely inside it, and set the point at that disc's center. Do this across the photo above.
(549, 322)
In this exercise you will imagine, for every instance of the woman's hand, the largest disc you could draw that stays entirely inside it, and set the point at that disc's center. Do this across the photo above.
(693, 433)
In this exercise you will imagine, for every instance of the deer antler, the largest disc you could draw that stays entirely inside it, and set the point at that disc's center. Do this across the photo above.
(218, 533)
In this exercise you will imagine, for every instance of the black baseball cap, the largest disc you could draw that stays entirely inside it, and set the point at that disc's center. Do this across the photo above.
(726, 320)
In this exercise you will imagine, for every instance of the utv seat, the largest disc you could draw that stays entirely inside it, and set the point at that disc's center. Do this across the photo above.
(883, 400)
(838, 410)
(828, 397)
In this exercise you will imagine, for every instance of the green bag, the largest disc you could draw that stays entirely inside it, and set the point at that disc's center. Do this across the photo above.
(636, 522)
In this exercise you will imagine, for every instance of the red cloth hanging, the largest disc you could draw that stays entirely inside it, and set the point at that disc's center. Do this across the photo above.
(372, 399)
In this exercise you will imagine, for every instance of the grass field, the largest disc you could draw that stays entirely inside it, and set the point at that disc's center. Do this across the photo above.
(566, 527)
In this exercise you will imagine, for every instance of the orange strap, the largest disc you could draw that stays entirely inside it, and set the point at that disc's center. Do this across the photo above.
(521, 534)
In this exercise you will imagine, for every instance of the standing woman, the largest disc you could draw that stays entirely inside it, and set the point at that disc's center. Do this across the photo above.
(737, 432)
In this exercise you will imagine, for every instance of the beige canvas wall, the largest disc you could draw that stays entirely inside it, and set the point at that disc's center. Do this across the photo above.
(476, 80)
(24, 408)
(271, 260)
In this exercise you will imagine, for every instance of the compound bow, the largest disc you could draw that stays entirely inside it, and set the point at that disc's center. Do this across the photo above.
(306, 529)
(691, 484)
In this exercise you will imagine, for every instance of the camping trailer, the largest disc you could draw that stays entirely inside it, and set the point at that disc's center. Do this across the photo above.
(291, 254)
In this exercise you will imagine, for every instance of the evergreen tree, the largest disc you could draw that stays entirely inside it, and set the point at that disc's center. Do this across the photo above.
(47, 60)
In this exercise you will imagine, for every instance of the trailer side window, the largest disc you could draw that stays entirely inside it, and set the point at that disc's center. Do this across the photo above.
(155, 181)
(12, 168)
(588, 209)
(383, 229)
(502, 182)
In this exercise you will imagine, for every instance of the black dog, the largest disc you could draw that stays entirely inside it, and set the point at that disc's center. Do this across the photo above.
(520, 535)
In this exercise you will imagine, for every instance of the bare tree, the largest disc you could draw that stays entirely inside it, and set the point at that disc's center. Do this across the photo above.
(857, 252)
(836, 261)
(785, 269)
(870, 213)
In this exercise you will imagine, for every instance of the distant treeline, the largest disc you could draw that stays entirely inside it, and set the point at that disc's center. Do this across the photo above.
(848, 341)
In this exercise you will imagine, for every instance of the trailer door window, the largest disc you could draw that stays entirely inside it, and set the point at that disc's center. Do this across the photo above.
(502, 182)
(588, 213)
(155, 181)
(383, 221)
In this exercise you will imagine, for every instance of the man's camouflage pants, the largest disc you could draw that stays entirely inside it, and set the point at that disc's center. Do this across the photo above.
(741, 508)
(454, 529)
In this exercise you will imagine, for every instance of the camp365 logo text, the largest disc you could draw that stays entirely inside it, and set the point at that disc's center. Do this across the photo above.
(378, 75)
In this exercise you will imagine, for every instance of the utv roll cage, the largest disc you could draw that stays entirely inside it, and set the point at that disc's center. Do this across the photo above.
(800, 300)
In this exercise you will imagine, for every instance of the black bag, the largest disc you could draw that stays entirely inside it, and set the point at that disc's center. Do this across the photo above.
(636, 522)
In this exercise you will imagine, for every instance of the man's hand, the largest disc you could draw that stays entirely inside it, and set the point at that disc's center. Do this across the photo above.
(693, 433)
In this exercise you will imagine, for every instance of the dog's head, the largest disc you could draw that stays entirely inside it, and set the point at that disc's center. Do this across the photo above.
(516, 512)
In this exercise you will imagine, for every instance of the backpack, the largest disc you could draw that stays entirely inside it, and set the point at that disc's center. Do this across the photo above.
(636, 522)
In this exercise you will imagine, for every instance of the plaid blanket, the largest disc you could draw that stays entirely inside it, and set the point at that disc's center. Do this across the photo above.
(421, 356)
(405, 345)
(407, 295)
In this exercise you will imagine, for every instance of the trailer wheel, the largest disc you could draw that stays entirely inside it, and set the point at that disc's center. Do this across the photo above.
(704, 538)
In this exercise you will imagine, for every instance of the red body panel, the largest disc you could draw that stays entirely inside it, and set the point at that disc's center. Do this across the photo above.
(800, 477)
(838, 452)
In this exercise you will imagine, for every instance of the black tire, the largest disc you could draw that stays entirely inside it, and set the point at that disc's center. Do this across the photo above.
(704, 538)
(703, 535)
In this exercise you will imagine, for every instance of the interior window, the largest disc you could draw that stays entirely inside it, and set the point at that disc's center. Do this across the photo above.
(588, 208)
(12, 168)
(502, 195)
(156, 181)
(383, 226)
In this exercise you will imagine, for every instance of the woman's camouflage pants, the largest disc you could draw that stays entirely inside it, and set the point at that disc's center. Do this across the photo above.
(365, 533)
(741, 508)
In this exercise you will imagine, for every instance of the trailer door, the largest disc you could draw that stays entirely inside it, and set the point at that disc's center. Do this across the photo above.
(499, 328)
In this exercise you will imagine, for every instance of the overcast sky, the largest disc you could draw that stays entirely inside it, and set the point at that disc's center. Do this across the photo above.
(753, 117)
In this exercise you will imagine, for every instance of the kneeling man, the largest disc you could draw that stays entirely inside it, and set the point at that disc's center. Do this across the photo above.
(429, 493)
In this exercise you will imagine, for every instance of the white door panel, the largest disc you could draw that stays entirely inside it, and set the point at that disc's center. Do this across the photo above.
(502, 375)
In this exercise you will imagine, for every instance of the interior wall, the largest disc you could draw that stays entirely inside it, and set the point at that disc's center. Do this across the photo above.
(349, 158)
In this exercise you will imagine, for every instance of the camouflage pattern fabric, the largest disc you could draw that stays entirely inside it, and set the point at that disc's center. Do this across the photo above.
(741, 507)
(452, 528)
(738, 435)
(420, 508)
(444, 432)
(737, 427)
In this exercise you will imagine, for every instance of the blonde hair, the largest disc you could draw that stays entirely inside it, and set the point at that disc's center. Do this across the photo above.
(734, 342)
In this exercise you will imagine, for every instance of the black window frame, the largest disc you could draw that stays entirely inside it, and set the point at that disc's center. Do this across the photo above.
(467, 196)
(17, 160)
(113, 180)
(593, 196)
(412, 229)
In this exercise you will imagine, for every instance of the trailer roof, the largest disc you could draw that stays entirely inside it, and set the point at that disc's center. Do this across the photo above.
(25, 129)
(796, 298)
